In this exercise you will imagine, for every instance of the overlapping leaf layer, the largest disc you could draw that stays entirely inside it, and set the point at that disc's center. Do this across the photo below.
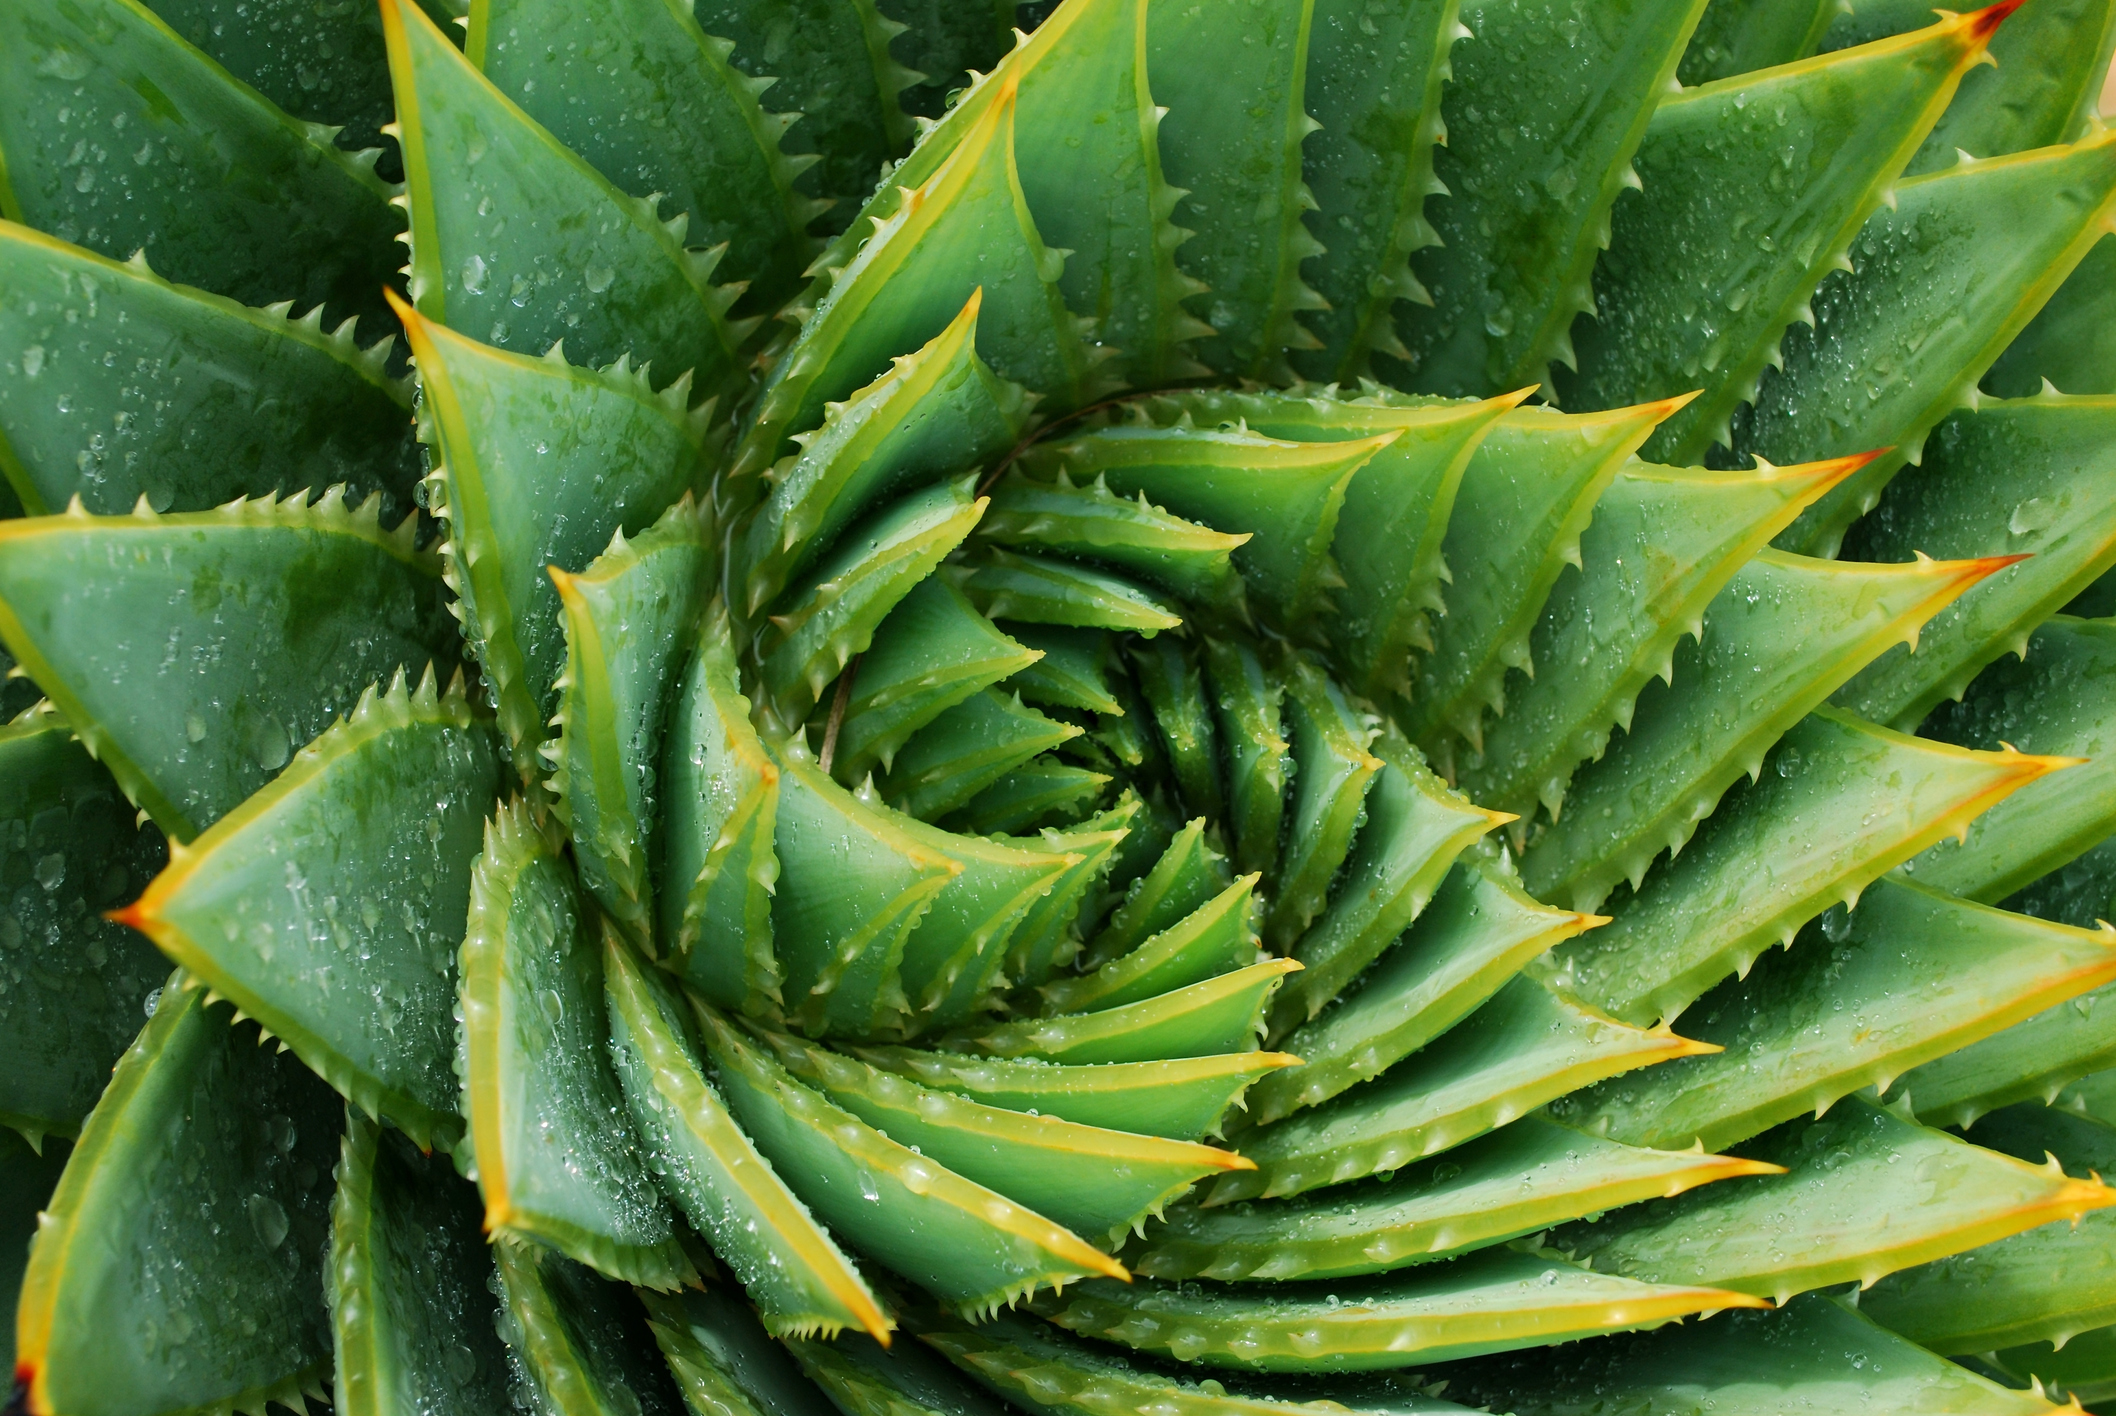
(1041, 785)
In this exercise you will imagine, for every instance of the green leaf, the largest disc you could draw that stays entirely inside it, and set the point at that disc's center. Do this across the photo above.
(538, 463)
(1187, 874)
(1075, 64)
(1048, 936)
(75, 980)
(1127, 738)
(1524, 1047)
(328, 905)
(863, 1380)
(2084, 1371)
(1333, 771)
(787, 1264)
(547, 1143)
(958, 1240)
(2043, 87)
(1481, 931)
(1088, 138)
(833, 65)
(1374, 88)
(931, 653)
(296, 44)
(1742, 36)
(723, 1358)
(720, 804)
(966, 230)
(1285, 495)
(2054, 454)
(194, 653)
(966, 749)
(1032, 793)
(27, 1179)
(1040, 1369)
(941, 407)
(1039, 590)
(1092, 1180)
(410, 1285)
(1257, 759)
(2030, 1061)
(1865, 1193)
(1839, 803)
(1187, 560)
(1073, 671)
(953, 958)
(1222, 1014)
(1183, 1099)
(1520, 230)
(630, 619)
(1782, 636)
(1235, 98)
(1527, 493)
(1816, 1354)
(192, 1219)
(1168, 679)
(579, 1341)
(1396, 510)
(1910, 975)
(2080, 893)
(834, 613)
(2060, 700)
(2045, 1285)
(1752, 190)
(1663, 543)
(1414, 828)
(853, 883)
(2072, 342)
(1216, 938)
(517, 241)
(1518, 1180)
(1991, 241)
(661, 110)
(223, 190)
(1489, 1302)
(201, 400)
(948, 45)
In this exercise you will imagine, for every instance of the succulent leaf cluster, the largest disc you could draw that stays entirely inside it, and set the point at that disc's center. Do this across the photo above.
(1084, 708)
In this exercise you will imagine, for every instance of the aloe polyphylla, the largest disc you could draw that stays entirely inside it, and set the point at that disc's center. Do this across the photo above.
(1094, 707)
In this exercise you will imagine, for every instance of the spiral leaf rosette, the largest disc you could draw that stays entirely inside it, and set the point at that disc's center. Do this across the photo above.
(1338, 692)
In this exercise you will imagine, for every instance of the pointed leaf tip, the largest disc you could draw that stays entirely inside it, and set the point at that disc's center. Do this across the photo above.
(1985, 22)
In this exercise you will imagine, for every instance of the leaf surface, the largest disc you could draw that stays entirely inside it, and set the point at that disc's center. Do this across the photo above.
(76, 981)
(199, 1124)
(194, 653)
(1523, 1048)
(1867, 799)
(1910, 975)
(518, 242)
(1939, 287)
(2056, 464)
(116, 134)
(549, 1143)
(327, 905)
(629, 619)
(538, 463)
(1489, 1302)
(410, 1285)
(1865, 1192)
(185, 398)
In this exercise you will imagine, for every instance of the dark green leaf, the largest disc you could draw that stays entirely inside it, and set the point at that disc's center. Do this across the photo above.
(193, 1220)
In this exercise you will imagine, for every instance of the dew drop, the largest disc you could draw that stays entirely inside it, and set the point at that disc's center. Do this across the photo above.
(269, 1218)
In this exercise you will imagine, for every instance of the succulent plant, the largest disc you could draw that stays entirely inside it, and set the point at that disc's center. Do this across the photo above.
(1161, 712)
